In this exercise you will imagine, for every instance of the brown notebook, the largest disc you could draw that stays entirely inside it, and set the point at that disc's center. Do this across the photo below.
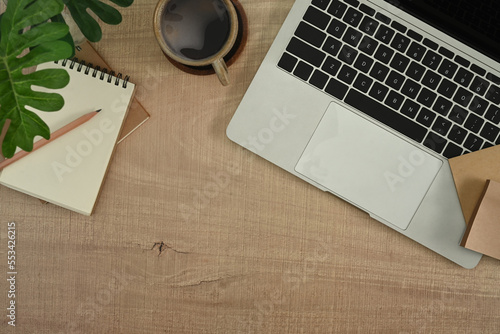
(483, 231)
(470, 173)
(137, 114)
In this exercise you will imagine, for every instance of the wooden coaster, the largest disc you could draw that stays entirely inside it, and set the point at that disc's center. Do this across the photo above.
(235, 52)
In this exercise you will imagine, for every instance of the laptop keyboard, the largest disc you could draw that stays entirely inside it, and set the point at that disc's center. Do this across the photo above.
(396, 76)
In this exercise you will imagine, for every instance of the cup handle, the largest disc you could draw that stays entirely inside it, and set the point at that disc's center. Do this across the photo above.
(220, 68)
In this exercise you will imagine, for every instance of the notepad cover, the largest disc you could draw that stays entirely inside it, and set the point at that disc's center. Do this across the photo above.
(69, 171)
(483, 231)
(470, 173)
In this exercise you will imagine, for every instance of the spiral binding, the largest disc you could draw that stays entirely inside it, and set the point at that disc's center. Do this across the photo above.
(88, 67)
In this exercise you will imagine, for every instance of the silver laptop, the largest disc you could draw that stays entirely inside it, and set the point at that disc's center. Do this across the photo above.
(368, 101)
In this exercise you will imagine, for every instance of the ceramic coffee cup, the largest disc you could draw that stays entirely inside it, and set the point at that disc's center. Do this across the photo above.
(197, 32)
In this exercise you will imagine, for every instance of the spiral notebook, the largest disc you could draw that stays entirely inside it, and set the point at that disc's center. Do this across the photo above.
(70, 171)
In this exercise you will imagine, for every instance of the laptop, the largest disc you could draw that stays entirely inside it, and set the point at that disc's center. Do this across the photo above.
(368, 99)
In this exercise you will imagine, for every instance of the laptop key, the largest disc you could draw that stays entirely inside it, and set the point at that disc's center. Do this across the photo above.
(426, 97)
(336, 28)
(352, 37)
(493, 94)
(431, 80)
(337, 9)
(473, 142)
(323, 4)
(306, 52)
(398, 26)
(310, 34)
(415, 71)
(478, 105)
(432, 60)
(363, 63)
(493, 114)
(366, 9)
(410, 108)
(379, 91)
(490, 132)
(319, 79)
(457, 134)
(379, 71)
(447, 53)
(463, 97)
(411, 88)
(492, 77)
(363, 83)
(332, 66)
(384, 34)
(385, 115)
(474, 123)
(448, 69)
(394, 100)
(447, 88)
(332, 46)
(442, 126)
(369, 25)
(336, 88)
(442, 106)
(395, 80)
(414, 35)
(354, 3)
(463, 77)
(347, 74)
(347, 54)
(478, 70)
(458, 114)
(303, 70)
(400, 43)
(381, 17)
(317, 18)
(384, 54)
(462, 61)
(416, 51)
(368, 45)
(400, 62)
(435, 142)
(287, 62)
(452, 151)
(426, 117)
(430, 44)
(353, 17)
(479, 86)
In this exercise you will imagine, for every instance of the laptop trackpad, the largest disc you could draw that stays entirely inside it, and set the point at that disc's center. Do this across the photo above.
(367, 165)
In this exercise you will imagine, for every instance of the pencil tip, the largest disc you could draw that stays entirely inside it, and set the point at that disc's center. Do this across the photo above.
(98, 110)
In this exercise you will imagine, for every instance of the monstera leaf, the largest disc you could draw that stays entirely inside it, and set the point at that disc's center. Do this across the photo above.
(43, 43)
(87, 24)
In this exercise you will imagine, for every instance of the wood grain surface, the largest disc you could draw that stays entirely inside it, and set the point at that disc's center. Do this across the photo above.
(193, 234)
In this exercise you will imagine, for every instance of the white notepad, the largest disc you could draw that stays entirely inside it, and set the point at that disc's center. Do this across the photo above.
(70, 171)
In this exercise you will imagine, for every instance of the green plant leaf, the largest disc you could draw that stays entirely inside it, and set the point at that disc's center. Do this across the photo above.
(87, 24)
(68, 38)
(43, 43)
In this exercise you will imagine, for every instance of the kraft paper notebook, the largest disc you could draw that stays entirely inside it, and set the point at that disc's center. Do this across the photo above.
(484, 228)
(471, 172)
(70, 171)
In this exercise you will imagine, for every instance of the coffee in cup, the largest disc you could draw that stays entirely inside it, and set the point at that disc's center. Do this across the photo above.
(197, 32)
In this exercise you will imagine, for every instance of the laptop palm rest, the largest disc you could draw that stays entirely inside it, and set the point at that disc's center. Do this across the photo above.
(365, 164)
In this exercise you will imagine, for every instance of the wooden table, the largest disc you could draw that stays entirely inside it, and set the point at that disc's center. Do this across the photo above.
(193, 234)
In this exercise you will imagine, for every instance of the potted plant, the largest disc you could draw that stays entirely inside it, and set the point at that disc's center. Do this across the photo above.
(33, 32)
